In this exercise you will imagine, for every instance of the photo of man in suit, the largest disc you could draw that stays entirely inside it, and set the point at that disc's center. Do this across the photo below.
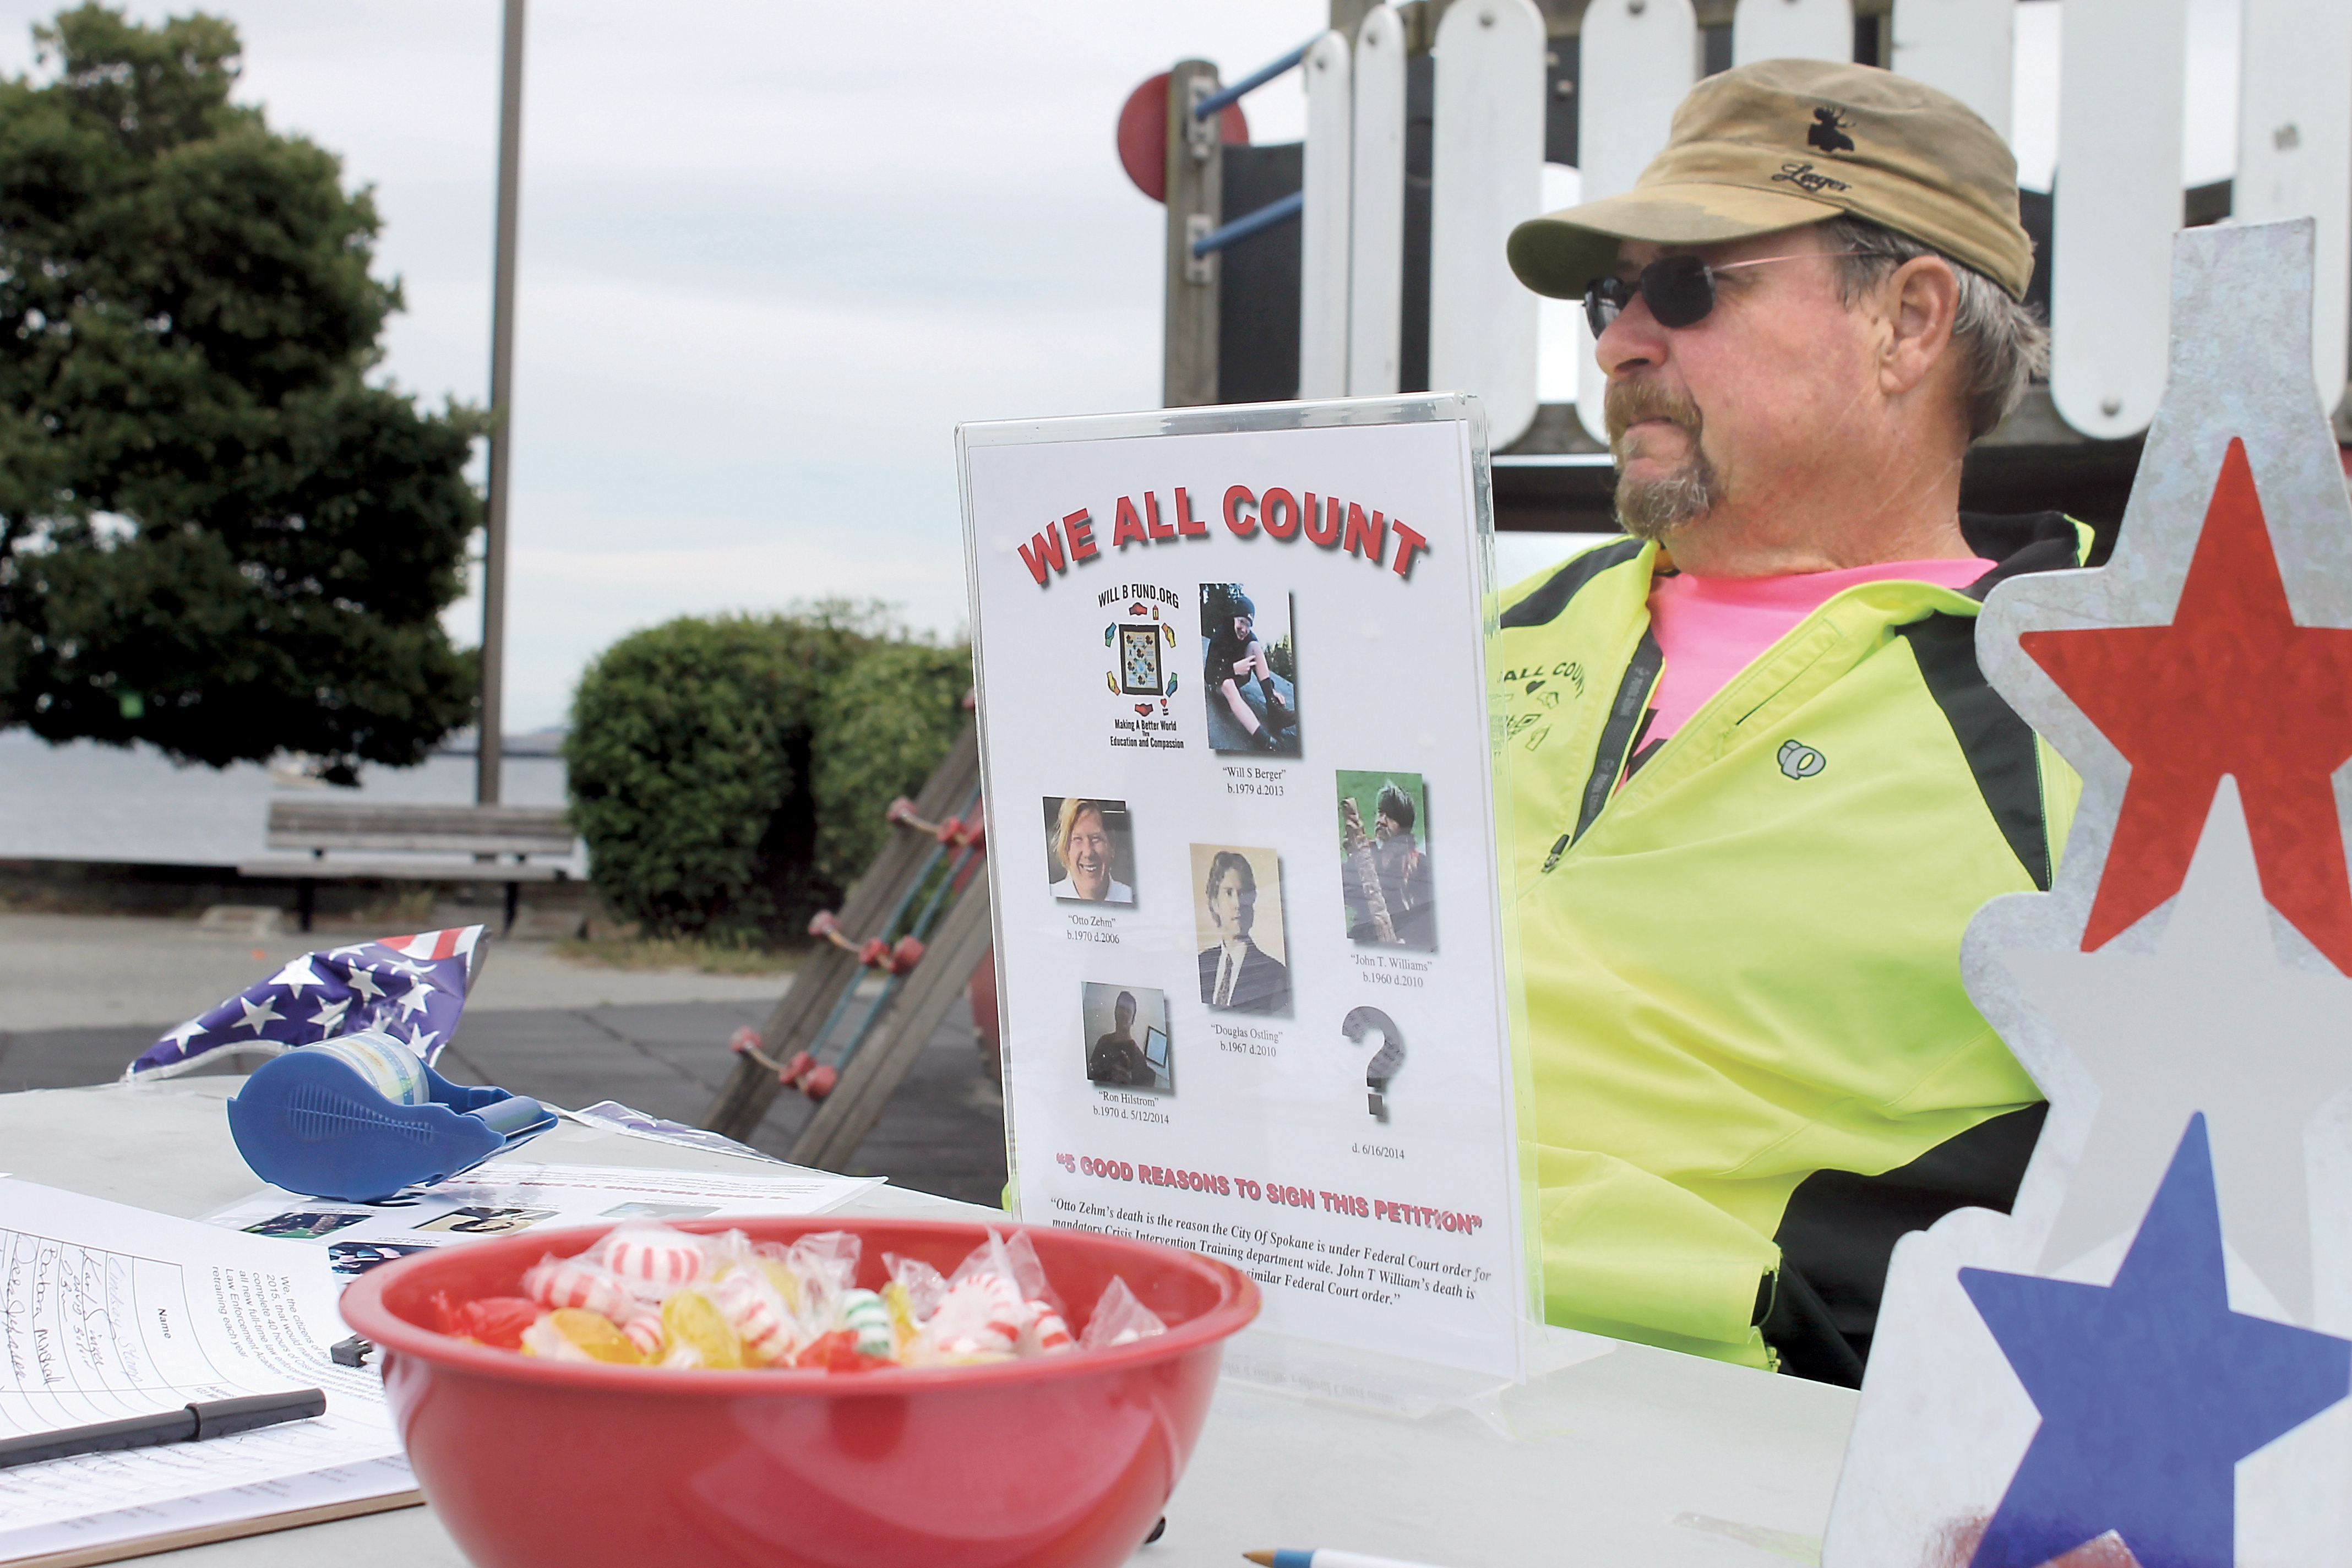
(1237, 976)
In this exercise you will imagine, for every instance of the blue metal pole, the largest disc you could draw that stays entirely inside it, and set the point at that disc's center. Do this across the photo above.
(1266, 217)
(1251, 83)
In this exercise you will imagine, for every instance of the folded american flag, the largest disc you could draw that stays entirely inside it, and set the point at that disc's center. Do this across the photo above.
(412, 987)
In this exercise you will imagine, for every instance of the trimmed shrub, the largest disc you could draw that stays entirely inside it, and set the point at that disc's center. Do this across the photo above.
(882, 725)
(720, 767)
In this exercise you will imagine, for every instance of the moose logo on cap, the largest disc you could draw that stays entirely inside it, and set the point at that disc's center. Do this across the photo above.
(1828, 132)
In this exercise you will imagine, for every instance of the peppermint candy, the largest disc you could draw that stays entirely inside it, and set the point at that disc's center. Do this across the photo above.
(1047, 1333)
(751, 1309)
(568, 1282)
(653, 1255)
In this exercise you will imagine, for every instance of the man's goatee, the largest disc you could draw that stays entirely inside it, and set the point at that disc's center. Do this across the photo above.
(1652, 509)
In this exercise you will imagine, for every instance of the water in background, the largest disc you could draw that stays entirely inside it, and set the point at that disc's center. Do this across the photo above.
(88, 802)
(83, 801)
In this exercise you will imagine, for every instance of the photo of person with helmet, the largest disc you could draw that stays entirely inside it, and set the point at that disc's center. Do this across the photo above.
(1089, 843)
(1237, 974)
(1243, 648)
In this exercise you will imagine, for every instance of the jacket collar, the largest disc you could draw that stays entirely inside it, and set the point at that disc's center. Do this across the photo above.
(2019, 543)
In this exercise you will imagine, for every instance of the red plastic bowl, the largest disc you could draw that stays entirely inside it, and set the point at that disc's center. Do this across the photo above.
(1064, 1460)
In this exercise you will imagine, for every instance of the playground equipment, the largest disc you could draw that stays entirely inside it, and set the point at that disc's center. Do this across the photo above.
(861, 1008)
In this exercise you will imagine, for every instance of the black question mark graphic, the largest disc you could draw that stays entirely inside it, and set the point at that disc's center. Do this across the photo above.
(1385, 1061)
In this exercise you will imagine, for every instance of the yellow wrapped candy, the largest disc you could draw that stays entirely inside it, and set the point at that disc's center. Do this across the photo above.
(696, 1333)
(901, 1303)
(576, 1334)
(786, 1281)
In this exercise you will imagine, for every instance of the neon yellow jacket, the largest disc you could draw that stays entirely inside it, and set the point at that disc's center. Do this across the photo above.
(1741, 965)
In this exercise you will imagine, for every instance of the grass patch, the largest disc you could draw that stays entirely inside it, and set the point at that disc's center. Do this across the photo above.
(677, 952)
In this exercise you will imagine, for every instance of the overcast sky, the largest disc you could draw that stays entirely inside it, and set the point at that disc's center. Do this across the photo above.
(772, 253)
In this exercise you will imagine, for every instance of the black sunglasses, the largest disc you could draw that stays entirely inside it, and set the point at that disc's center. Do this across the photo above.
(1679, 289)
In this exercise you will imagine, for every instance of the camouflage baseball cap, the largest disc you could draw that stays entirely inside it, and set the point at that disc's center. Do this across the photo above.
(1783, 143)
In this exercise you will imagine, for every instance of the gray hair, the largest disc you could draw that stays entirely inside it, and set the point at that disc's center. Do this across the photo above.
(2003, 342)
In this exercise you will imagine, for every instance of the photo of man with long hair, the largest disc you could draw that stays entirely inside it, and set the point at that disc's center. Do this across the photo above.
(1237, 974)
(1089, 843)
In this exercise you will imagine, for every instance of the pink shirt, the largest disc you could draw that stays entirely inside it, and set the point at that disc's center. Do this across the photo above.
(1711, 629)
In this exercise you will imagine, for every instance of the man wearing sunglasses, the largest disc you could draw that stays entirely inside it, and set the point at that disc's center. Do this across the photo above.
(1759, 784)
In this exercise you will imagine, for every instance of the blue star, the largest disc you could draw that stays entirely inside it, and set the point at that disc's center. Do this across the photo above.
(2150, 1390)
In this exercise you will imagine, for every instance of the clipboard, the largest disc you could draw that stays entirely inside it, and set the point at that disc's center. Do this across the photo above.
(226, 1529)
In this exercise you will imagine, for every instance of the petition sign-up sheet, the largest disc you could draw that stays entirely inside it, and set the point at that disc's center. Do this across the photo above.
(108, 1312)
(1234, 720)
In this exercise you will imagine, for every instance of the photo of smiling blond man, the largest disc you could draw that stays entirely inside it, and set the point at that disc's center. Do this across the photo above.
(1089, 844)
(1748, 833)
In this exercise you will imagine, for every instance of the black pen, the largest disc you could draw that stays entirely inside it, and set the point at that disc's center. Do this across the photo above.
(206, 1418)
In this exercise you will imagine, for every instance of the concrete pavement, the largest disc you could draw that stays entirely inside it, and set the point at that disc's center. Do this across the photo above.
(81, 996)
(76, 971)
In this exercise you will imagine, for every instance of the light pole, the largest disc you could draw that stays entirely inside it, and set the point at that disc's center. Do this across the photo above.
(489, 731)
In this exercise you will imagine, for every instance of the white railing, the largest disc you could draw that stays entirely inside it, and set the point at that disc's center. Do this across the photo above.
(2118, 201)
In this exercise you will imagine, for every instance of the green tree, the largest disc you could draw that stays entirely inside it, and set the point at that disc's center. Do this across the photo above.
(729, 775)
(216, 535)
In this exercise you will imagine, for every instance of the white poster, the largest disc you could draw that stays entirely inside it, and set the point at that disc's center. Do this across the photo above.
(1232, 712)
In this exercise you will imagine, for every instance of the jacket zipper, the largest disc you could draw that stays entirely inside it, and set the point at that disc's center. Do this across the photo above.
(1625, 716)
(1634, 690)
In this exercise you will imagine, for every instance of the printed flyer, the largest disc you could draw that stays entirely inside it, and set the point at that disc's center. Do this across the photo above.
(1233, 724)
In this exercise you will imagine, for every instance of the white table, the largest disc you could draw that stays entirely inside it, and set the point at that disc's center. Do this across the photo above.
(1636, 1457)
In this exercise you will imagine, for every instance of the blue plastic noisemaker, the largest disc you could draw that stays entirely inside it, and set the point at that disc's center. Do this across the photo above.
(359, 1118)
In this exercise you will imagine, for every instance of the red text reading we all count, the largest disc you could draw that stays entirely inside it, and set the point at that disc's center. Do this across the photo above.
(1325, 521)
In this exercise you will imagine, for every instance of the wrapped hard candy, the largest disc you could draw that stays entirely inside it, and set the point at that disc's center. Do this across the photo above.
(695, 1332)
(1119, 1320)
(499, 1322)
(574, 1335)
(866, 1315)
(786, 1282)
(903, 1324)
(642, 1328)
(983, 1314)
(824, 1266)
(570, 1282)
(652, 1255)
(752, 1308)
(1046, 1334)
(922, 1286)
(646, 1294)
(833, 1352)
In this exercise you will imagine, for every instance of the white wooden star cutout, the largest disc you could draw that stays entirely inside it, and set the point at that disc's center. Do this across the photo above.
(2210, 1021)
(2209, 1000)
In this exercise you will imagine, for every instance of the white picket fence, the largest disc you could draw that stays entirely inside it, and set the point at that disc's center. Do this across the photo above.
(2117, 201)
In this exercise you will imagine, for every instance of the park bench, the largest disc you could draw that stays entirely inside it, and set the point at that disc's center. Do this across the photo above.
(384, 833)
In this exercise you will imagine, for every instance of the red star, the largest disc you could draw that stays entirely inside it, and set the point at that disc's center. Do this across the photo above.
(2232, 686)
